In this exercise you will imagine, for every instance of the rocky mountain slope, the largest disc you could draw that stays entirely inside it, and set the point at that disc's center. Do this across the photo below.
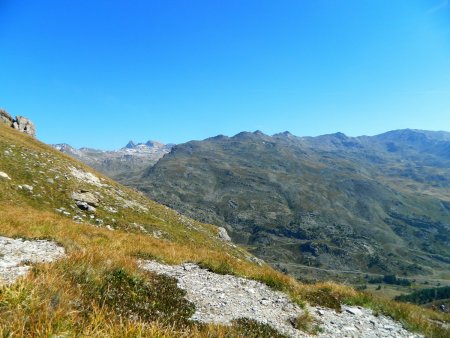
(322, 205)
(122, 164)
(99, 239)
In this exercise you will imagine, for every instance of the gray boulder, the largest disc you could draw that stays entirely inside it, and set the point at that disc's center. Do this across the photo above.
(85, 197)
(84, 206)
(24, 125)
(223, 234)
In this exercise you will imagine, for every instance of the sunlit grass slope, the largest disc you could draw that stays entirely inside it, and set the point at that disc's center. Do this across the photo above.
(98, 289)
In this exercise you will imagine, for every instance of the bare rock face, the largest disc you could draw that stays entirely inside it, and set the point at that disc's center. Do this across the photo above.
(20, 123)
(17, 255)
(24, 125)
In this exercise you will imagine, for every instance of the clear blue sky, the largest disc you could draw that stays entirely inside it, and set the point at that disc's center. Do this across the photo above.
(100, 72)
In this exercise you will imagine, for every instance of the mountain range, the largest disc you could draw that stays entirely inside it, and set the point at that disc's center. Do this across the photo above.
(313, 206)
(130, 160)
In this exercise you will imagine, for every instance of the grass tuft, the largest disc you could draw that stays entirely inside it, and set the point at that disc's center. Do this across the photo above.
(306, 323)
(244, 327)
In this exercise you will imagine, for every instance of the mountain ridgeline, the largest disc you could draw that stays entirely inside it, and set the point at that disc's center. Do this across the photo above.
(377, 204)
(129, 161)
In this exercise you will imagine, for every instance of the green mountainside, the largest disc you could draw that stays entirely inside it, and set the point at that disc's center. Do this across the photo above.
(319, 206)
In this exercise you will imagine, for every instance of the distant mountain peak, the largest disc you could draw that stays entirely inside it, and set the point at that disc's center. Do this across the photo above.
(131, 145)
(218, 137)
(242, 134)
(153, 144)
(140, 145)
(249, 135)
(340, 135)
(285, 134)
(62, 146)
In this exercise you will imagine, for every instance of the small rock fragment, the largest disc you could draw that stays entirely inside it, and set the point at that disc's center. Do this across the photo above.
(354, 311)
(223, 234)
(27, 187)
(4, 175)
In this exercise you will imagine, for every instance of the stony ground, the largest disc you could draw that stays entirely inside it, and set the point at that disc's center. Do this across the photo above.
(223, 298)
(16, 255)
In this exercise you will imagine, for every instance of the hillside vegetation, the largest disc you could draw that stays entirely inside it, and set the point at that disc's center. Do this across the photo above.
(98, 288)
(327, 206)
(429, 295)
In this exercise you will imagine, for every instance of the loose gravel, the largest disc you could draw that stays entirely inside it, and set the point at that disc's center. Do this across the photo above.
(220, 299)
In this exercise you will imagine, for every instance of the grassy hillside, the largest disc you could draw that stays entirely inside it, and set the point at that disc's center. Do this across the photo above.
(329, 207)
(98, 289)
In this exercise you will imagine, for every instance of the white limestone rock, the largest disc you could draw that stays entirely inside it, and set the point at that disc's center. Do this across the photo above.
(16, 255)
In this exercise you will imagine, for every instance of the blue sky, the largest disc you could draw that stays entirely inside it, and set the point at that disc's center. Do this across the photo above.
(98, 73)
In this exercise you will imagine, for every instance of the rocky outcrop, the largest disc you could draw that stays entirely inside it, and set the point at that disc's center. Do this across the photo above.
(24, 125)
(20, 123)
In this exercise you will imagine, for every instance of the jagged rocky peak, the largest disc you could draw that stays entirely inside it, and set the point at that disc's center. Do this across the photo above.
(148, 144)
(63, 146)
(130, 145)
(19, 123)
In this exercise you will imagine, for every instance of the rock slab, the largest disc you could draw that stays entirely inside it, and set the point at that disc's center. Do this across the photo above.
(16, 255)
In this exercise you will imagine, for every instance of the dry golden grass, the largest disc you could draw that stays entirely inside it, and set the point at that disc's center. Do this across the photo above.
(46, 301)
